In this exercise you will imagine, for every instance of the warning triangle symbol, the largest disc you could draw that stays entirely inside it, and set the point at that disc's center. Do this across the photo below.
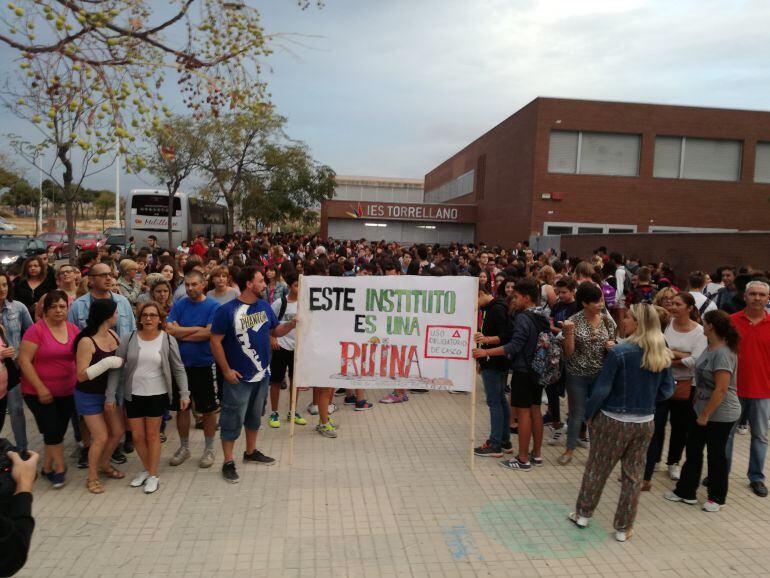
(456, 334)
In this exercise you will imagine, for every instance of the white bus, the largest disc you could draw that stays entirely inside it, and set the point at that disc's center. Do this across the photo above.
(147, 214)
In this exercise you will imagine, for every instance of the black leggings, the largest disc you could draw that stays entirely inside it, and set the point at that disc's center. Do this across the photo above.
(682, 417)
(52, 418)
(714, 438)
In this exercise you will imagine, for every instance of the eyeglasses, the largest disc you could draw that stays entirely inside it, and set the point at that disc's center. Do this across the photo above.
(67, 272)
(149, 315)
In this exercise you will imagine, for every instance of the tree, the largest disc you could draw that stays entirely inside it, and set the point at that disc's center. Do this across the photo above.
(251, 163)
(21, 193)
(175, 153)
(287, 187)
(103, 204)
(92, 80)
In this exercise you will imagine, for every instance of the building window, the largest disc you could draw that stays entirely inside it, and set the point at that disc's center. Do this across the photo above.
(762, 163)
(594, 153)
(697, 158)
(555, 228)
(459, 187)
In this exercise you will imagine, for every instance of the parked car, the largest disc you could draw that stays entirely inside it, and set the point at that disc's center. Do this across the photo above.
(116, 240)
(58, 241)
(114, 231)
(87, 240)
(14, 248)
(6, 226)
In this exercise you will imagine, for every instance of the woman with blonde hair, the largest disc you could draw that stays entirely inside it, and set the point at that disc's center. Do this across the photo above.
(665, 298)
(620, 411)
(548, 296)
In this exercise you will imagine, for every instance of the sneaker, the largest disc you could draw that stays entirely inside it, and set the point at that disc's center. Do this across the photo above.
(674, 471)
(83, 459)
(128, 446)
(312, 409)
(507, 447)
(363, 405)
(151, 485)
(199, 424)
(672, 497)
(516, 464)
(514, 429)
(57, 480)
(332, 408)
(139, 480)
(326, 430)
(419, 390)
(298, 419)
(624, 535)
(257, 457)
(163, 438)
(537, 462)
(487, 450)
(207, 459)
(579, 521)
(742, 430)
(334, 424)
(274, 421)
(350, 400)
(564, 459)
(340, 391)
(584, 443)
(118, 457)
(759, 489)
(557, 435)
(711, 506)
(229, 473)
(180, 456)
(394, 398)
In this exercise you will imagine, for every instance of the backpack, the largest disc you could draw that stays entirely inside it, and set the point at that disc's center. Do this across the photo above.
(609, 293)
(282, 311)
(547, 361)
(644, 294)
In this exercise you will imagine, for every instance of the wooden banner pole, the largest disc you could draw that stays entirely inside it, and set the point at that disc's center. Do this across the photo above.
(473, 393)
(294, 393)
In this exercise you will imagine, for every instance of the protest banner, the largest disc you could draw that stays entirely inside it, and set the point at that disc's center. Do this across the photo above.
(387, 332)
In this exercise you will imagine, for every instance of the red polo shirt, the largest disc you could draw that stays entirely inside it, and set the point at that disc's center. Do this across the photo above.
(753, 356)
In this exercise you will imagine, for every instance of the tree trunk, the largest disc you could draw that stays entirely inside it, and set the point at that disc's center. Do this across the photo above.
(69, 202)
(230, 217)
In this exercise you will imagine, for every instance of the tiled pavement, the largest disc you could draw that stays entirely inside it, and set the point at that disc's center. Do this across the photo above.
(391, 496)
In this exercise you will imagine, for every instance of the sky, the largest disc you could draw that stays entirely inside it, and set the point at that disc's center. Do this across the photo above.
(394, 88)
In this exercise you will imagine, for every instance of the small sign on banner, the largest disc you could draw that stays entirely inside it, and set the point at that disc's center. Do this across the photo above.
(447, 342)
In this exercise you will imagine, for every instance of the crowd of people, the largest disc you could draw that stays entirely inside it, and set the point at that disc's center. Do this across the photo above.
(204, 334)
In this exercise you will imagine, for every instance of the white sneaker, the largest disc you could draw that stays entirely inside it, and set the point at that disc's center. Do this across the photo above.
(332, 408)
(579, 521)
(139, 480)
(557, 435)
(624, 535)
(584, 443)
(674, 471)
(312, 409)
(151, 485)
(673, 497)
(711, 506)
(743, 429)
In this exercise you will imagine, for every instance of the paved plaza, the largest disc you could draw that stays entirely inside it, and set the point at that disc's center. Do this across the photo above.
(392, 496)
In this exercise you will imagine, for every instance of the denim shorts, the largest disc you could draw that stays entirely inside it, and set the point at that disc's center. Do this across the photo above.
(242, 406)
(89, 403)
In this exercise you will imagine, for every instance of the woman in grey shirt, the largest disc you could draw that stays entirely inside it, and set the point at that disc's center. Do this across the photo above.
(717, 406)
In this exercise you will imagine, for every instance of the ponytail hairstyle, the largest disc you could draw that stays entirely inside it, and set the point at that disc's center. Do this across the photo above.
(689, 301)
(99, 312)
(656, 355)
(723, 327)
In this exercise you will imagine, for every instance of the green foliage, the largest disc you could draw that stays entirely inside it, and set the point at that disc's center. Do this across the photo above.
(21, 193)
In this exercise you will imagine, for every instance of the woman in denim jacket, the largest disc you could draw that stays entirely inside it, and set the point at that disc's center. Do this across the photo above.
(620, 411)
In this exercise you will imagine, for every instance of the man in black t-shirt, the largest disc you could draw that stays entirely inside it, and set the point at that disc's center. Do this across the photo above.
(496, 329)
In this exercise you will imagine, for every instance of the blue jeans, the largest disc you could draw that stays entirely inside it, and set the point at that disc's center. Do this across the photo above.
(757, 412)
(578, 390)
(499, 408)
(18, 421)
(243, 404)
